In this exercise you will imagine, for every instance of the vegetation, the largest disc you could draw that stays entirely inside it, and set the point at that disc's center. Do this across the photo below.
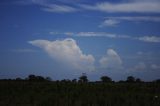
(106, 79)
(40, 91)
(83, 78)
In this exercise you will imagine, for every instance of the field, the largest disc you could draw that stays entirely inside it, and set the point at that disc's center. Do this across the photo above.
(48, 93)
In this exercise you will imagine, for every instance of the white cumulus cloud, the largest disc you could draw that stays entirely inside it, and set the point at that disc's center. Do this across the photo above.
(67, 52)
(111, 60)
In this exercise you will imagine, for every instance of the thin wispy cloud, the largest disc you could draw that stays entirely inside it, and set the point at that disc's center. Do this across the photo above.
(90, 34)
(126, 7)
(59, 8)
(143, 66)
(137, 6)
(155, 66)
(110, 23)
(140, 66)
(119, 19)
(50, 6)
(96, 34)
(115, 21)
(151, 39)
(100, 34)
(137, 18)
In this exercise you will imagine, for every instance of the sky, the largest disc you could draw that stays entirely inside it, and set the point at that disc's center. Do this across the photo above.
(64, 38)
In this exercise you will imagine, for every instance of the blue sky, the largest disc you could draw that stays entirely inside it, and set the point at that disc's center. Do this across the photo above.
(65, 38)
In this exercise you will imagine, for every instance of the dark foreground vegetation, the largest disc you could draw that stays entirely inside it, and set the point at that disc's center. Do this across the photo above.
(39, 91)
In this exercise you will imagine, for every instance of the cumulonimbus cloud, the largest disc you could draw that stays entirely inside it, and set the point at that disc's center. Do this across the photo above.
(67, 52)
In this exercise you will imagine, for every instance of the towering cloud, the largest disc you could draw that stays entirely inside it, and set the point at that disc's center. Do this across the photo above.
(66, 52)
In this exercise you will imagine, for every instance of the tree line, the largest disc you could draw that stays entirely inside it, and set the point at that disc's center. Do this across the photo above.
(82, 79)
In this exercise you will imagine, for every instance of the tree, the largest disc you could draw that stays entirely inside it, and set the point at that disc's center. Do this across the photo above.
(40, 78)
(35, 78)
(31, 77)
(65, 81)
(138, 80)
(19, 79)
(130, 79)
(48, 79)
(157, 81)
(74, 80)
(106, 79)
(83, 78)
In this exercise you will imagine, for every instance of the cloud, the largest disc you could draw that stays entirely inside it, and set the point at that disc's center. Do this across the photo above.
(126, 7)
(149, 39)
(97, 34)
(140, 66)
(90, 34)
(50, 6)
(136, 18)
(140, 53)
(111, 60)
(65, 6)
(59, 8)
(110, 22)
(155, 67)
(152, 39)
(67, 52)
(114, 21)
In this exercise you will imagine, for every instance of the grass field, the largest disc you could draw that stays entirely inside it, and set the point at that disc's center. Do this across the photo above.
(27, 93)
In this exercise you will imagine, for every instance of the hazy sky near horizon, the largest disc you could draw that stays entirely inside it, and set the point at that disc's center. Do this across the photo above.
(65, 38)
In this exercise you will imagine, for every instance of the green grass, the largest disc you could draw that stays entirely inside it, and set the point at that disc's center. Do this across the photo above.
(26, 93)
